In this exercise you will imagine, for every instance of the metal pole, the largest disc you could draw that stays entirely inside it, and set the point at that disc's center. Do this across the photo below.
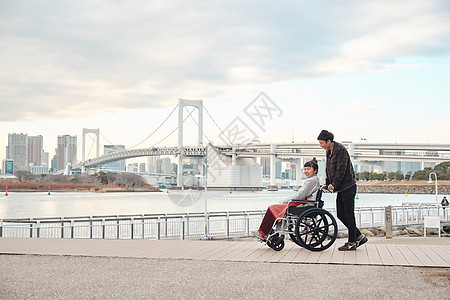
(182, 228)
(143, 227)
(90, 228)
(118, 228)
(430, 180)
(158, 233)
(206, 195)
(103, 228)
(436, 189)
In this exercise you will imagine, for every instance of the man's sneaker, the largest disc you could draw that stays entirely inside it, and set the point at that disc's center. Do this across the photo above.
(348, 247)
(361, 240)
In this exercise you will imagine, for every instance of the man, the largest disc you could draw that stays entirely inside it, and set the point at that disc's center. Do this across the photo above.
(444, 202)
(341, 179)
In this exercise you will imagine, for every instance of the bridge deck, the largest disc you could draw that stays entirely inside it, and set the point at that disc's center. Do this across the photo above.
(421, 254)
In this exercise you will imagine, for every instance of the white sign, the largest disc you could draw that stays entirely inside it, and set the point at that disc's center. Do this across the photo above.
(431, 222)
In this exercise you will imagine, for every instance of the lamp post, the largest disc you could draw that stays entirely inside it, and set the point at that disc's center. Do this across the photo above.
(430, 180)
(206, 194)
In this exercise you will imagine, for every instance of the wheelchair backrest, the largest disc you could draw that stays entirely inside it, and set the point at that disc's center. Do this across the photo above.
(319, 201)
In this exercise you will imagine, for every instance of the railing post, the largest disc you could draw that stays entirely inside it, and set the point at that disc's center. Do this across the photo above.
(118, 228)
(132, 228)
(62, 229)
(228, 224)
(1, 228)
(143, 227)
(166, 226)
(31, 230)
(187, 224)
(72, 229)
(372, 218)
(158, 233)
(103, 229)
(90, 228)
(247, 225)
(206, 224)
(38, 229)
(182, 227)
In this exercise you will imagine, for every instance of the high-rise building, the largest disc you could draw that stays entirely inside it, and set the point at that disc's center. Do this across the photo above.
(66, 151)
(133, 168)
(142, 168)
(278, 170)
(117, 165)
(265, 164)
(54, 163)
(166, 166)
(152, 164)
(45, 158)
(17, 150)
(35, 149)
(8, 167)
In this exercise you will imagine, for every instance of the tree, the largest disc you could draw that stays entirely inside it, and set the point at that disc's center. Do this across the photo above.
(443, 166)
(23, 176)
(399, 175)
(408, 175)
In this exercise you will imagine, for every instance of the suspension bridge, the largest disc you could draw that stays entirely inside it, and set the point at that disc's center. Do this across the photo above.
(236, 164)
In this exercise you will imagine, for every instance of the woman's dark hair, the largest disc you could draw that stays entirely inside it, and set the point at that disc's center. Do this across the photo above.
(325, 135)
(312, 164)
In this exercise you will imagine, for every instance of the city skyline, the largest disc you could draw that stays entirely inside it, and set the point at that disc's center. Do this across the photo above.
(372, 70)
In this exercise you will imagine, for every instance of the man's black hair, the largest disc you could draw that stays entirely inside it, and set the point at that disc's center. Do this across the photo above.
(325, 135)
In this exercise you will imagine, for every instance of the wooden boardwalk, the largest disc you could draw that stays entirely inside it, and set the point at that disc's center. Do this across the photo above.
(434, 255)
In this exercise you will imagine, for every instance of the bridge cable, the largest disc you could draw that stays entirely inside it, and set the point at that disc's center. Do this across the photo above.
(112, 144)
(204, 134)
(174, 129)
(92, 145)
(156, 129)
(220, 157)
(217, 125)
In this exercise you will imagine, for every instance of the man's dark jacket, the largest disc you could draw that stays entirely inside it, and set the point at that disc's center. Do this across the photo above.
(339, 169)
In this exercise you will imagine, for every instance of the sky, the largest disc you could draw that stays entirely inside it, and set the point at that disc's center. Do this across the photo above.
(378, 70)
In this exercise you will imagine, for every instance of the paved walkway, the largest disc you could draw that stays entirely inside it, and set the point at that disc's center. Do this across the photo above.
(424, 253)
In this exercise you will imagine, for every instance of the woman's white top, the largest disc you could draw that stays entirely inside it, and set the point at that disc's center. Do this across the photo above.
(308, 190)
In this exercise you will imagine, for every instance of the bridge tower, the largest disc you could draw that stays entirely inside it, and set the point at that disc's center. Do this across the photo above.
(182, 103)
(97, 133)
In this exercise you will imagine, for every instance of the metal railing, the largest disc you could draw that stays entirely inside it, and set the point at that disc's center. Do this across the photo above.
(189, 225)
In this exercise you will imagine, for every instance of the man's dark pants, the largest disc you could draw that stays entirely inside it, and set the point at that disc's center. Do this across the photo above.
(345, 205)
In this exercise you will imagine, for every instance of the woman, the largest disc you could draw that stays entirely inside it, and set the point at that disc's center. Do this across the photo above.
(307, 192)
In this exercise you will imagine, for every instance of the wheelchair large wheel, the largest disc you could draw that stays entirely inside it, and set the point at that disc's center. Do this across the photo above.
(294, 239)
(316, 229)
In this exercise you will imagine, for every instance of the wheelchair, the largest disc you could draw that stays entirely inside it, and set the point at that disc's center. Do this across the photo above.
(308, 225)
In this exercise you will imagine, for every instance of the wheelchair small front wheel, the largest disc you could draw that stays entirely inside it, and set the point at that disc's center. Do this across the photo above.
(276, 242)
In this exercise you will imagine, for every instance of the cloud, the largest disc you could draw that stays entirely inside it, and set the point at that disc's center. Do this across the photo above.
(395, 32)
(73, 58)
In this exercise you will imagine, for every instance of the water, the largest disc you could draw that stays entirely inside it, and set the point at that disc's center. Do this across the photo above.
(63, 204)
